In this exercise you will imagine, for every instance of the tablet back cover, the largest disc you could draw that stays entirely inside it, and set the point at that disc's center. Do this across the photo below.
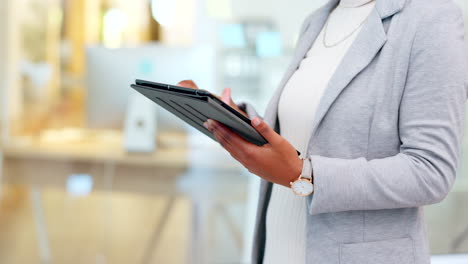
(195, 110)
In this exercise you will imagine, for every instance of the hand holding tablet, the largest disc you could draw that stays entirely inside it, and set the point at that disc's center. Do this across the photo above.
(196, 106)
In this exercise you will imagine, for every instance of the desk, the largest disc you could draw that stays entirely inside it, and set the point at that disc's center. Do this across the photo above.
(45, 161)
(34, 160)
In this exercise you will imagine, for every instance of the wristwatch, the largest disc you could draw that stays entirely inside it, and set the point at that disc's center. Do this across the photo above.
(303, 186)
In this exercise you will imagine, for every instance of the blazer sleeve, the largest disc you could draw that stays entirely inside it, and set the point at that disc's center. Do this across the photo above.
(430, 126)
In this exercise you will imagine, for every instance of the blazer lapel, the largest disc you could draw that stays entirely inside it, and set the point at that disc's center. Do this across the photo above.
(370, 40)
(363, 50)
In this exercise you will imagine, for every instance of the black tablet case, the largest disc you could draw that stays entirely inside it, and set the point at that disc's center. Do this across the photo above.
(197, 106)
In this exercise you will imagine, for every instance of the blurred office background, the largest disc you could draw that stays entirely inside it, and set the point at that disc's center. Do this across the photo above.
(91, 173)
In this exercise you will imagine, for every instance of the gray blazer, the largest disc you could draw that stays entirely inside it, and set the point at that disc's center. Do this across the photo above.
(387, 134)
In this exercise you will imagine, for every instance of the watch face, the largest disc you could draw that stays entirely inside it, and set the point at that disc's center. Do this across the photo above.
(302, 187)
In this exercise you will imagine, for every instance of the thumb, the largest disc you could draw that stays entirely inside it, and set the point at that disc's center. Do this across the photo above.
(266, 131)
(226, 95)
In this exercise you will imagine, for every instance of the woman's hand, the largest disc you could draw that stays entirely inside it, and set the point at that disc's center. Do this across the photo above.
(277, 161)
(225, 97)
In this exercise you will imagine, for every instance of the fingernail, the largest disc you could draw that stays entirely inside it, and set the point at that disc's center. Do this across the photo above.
(256, 121)
(211, 124)
(206, 125)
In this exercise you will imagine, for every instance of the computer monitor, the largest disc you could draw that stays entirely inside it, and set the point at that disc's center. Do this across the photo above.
(109, 73)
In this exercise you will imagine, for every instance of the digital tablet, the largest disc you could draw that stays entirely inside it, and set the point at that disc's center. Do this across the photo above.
(197, 106)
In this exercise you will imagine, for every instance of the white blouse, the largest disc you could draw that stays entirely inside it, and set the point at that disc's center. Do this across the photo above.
(286, 214)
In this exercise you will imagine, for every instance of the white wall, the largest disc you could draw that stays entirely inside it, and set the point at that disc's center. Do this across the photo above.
(196, 24)
(287, 15)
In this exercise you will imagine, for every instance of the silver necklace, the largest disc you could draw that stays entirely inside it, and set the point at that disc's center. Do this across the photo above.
(340, 41)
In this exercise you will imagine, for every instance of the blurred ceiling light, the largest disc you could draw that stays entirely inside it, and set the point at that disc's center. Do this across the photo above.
(221, 9)
(114, 25)
(163, 11)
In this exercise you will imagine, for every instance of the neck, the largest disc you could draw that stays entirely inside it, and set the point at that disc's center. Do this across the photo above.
(354, 3)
